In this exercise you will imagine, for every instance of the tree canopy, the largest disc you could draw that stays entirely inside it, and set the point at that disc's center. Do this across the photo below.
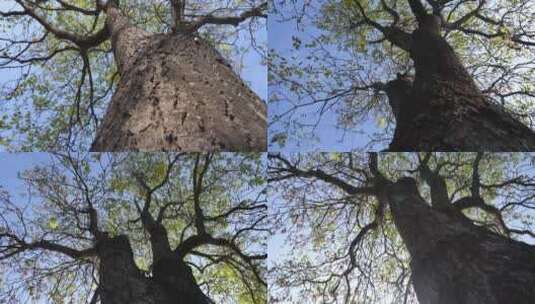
(57, 66)
(340, 243)
(344, 52)
(212, 208)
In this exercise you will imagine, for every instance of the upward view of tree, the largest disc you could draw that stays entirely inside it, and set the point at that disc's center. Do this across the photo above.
(403, 228)
(136, 228)
(167, 64)
(441, 75)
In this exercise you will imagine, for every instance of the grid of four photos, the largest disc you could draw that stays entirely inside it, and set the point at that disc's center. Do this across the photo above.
(255, 152)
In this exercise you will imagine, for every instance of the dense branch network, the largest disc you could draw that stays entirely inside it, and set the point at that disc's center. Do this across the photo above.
(380, 33)
(82, 214)
(340, 199)
(75, 37)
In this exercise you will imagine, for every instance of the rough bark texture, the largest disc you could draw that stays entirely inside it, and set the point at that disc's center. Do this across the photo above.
(456, 262)
(122, 282)
(444, 110)
(177, 93)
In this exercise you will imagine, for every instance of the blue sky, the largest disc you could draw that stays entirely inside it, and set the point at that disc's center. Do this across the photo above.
(254, 72)
(330, 138)
(280, 245)
(380, 69)
(13, 163)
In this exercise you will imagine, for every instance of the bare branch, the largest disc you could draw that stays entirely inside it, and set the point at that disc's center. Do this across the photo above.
(258, 11)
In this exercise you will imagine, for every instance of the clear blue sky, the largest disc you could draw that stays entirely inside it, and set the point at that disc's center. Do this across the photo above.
(254, 72)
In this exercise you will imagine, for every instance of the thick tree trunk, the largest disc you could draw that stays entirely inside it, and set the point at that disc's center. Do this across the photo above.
(122, 282)
(456, 262)
(444, 109)
(176, 92)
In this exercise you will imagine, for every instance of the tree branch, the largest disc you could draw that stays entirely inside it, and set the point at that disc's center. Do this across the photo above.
(195, 241)
(439, 189)
(197, 178)
(320, 175)
(18, 245)
(418, 10)
(177, 9)
(476, 182)
(393, 34)
(458, 23)
(258, 11)
(478, 202)
(84, 42)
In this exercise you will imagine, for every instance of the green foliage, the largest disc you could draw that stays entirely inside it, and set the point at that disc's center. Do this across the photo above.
(234, 288)
(40, 92)
(315, 221)
(325, 81)
(53, 223)
(58, 213)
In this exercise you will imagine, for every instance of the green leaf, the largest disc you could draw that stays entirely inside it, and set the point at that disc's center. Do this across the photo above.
(160, 169)
(53, 223)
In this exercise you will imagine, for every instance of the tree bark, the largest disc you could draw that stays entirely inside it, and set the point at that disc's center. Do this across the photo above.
(444, 110)
(122, 282)
(176, 93)
(455, 261)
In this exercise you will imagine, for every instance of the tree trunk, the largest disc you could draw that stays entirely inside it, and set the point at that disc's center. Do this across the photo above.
(176, 93)
(444, 109)
(122, 282)
(455, 262)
